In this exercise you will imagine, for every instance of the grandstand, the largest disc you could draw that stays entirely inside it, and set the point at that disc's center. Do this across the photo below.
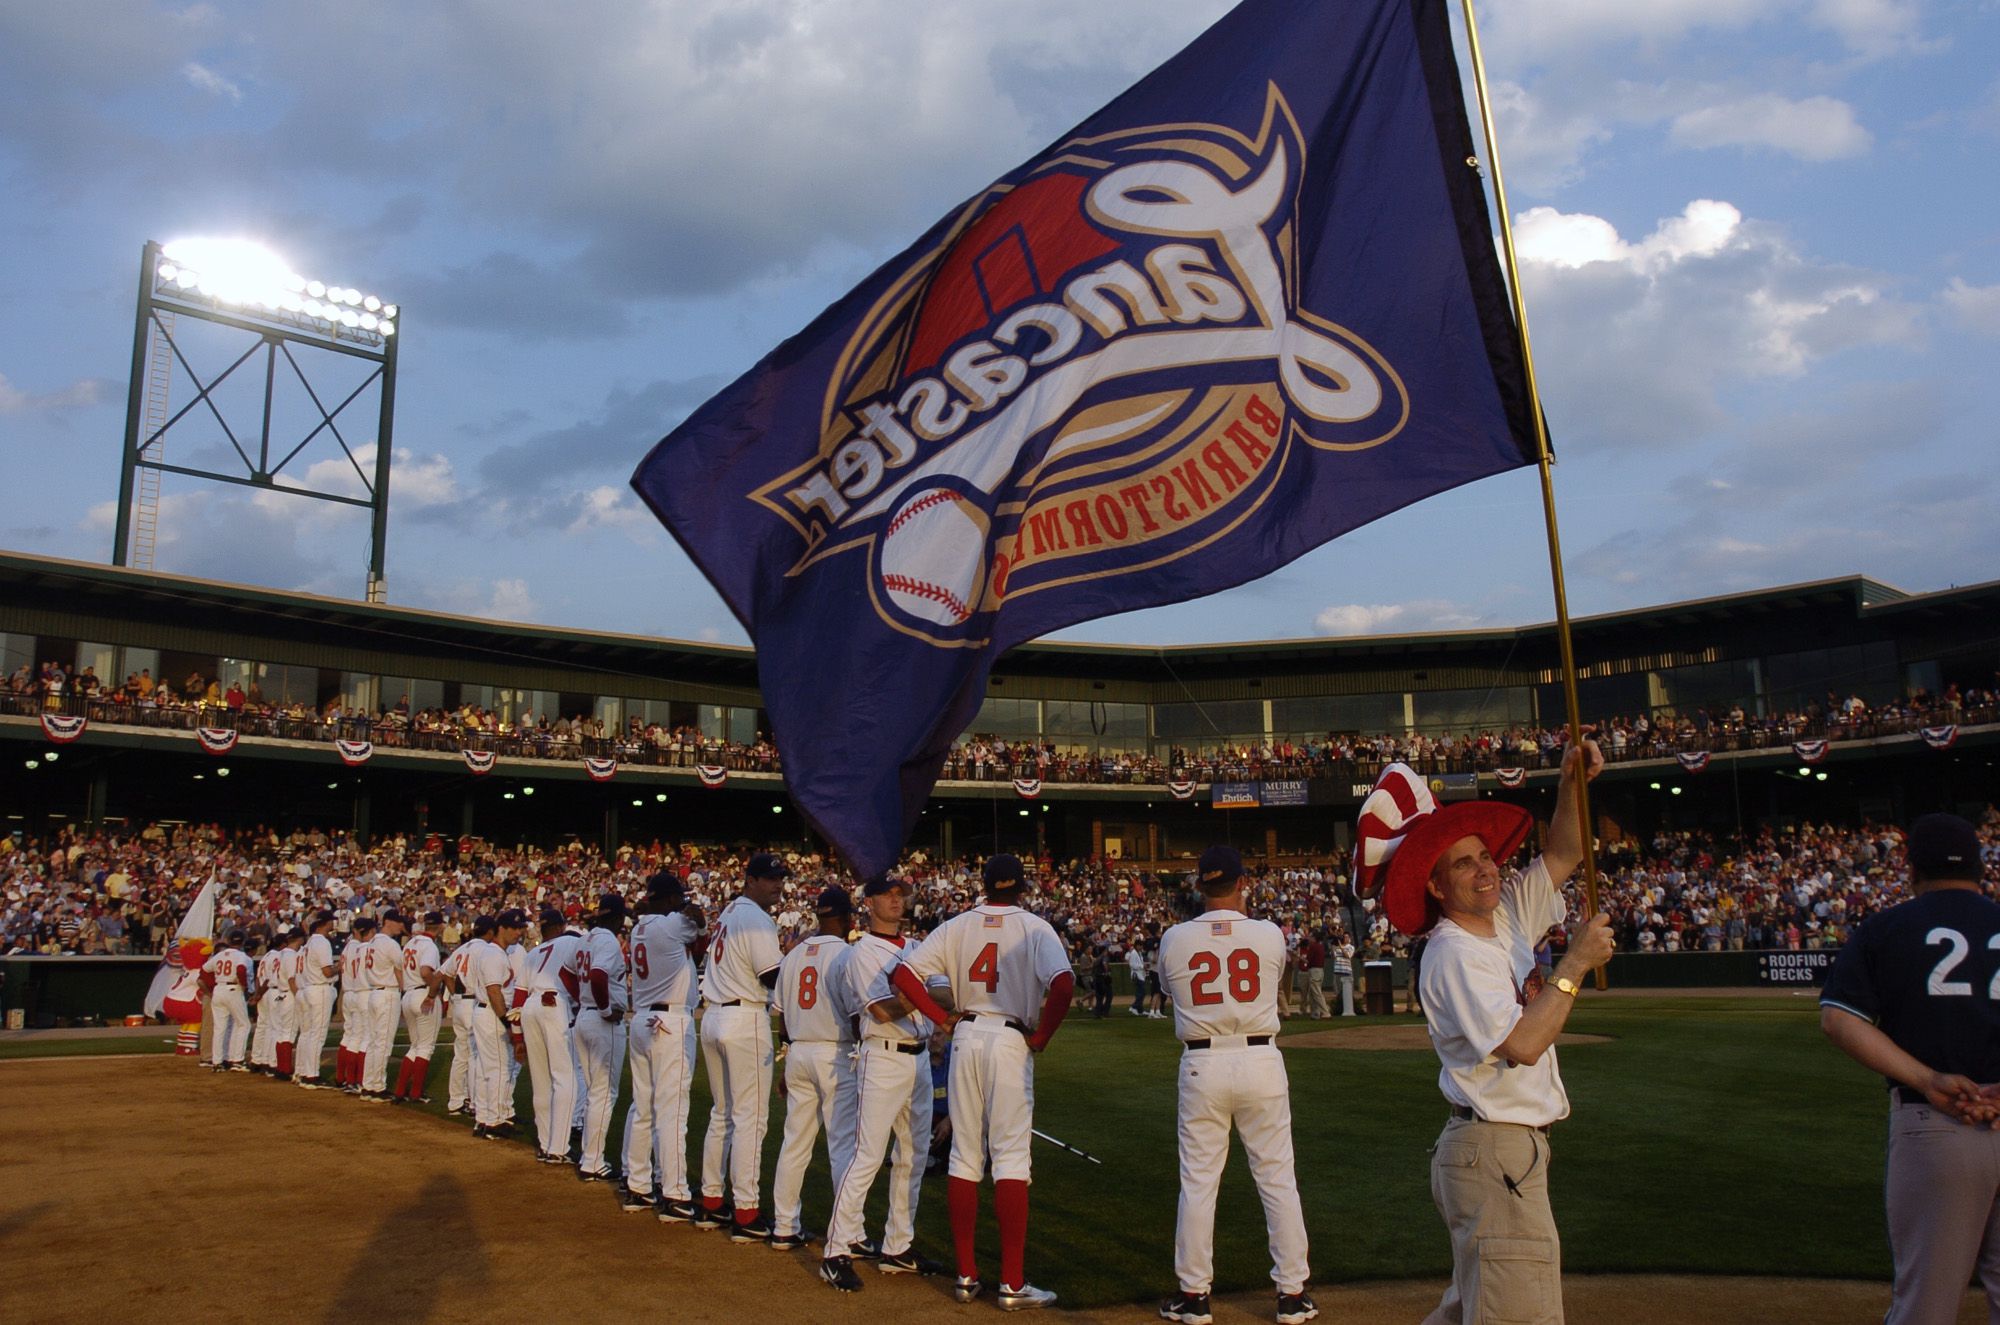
(1081, 750)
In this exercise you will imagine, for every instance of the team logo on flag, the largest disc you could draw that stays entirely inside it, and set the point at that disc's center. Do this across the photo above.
(480, 762)
(216, 740)
(712, 775)
(1694, 761)
(355, 753)
(1027, 788)
(1182, 791)
(1937, 738)
(1809, 751)
(1511, 777)
(62, 728)
(600, 770)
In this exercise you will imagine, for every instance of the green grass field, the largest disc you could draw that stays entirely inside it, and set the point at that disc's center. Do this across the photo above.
(1712, 1135)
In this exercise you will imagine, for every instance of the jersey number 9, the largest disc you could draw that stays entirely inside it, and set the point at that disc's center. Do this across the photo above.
(1246, 979)
(639, 960)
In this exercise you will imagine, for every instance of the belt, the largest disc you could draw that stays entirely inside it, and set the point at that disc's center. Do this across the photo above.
(1907, 1096)
(900, 1046)
(1465, 1115)
(741, 1003)
(1252, 1041)
(660, 1007)
(1008, 1022)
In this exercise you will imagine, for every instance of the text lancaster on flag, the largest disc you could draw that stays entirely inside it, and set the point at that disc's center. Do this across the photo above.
(1250, 305)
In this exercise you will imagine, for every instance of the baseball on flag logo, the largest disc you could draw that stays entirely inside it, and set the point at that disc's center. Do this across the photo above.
(1940, 738)
(1249, 306)
(1027, 788)
(62, 728)
(600, 770)
(1182, 791)
(216, 740)
(1694, 761)
(480, 762)
(1810, 752)
(355, 753)
(711, 775)
(1511, 777)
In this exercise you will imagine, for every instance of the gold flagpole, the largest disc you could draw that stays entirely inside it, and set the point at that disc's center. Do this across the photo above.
(1544, 463)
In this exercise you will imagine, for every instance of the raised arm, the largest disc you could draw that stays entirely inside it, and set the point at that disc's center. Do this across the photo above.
(1566, 843)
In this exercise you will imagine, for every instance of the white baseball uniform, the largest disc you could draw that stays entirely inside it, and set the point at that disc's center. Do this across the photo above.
(517, 979)
(893, 1091)
(487, 965)
(1223, 972)
(420, 958)
(281, 1003)
(550, 994)
(457, 967)
(819, 1072)
(316, 994)
(600, 1039)
(262, 1043)
(736, 1046)
(382, 978)
(999, 962)
(228, 1006)
(662, 1048)
(353, 1020)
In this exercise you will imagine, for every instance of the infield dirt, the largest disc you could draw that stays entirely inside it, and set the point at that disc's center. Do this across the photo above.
(136, 1186)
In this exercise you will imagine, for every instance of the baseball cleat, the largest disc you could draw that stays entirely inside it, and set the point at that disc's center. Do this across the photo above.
(1187, 1308)
(865, 1250)
(676, 1212)
(964, 1289)
(594, 1175)
(1296, 1308)
(908, 1262)
(789, 1241)
(838, 1272)
(633, 1202)
(1025, 1298)
(757, 1230)
(705, 1218)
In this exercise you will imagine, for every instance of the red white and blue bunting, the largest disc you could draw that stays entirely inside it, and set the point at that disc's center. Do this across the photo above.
(1027, 788)
(1694, 761)
(600, 770)
(1182, 791)
(480, 762)
(355, 753)
(1810, 752)
(62, 728)
(712, 775)
(1937, 738)
(216, 740)
(1511, 777)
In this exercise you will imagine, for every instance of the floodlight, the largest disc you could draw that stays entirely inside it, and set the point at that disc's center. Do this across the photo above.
(1820, 777)
(660, 796)
(388, 310)
(368, 322)
(1677, 791)
(1656, 786)
(168, 271)
(186, 279)
(637, 804)
(1805, 772)
(222, 772)
(371, 303)
(507, 796)
(51, 757)
(387, 328)
(350, 319)
(34, 763)
(317, 289)
(527, 791)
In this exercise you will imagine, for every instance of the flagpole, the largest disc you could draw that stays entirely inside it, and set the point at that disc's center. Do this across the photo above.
(1544, 463)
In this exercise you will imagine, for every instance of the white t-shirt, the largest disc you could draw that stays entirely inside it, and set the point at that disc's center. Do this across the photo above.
(870, 959)
(1474, 991)
(805, 991)
(998, 960)
(1222, 974)
(602, 953)
(745, 946)
(662, 970)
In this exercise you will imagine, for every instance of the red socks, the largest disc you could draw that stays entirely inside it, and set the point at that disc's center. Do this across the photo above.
(420, 1073)
(402, 1078)
(284, 1059)
(1010, 1205)
(746, 1216)
(343, 1063)
(962, 1195)
(711, 1202)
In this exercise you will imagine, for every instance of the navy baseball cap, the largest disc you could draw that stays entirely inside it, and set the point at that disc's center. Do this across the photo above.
(1219, 865)
(482, 926)
(664, 884)
(321, 918)
(552, 919)
(512, 918)
(364, 922)
(611, 906)
(875, 887)
(1004, 871)
(433, 917)
(396, 916)
(834, 901)
(234, 937)
(766, 865)
(1944, 846)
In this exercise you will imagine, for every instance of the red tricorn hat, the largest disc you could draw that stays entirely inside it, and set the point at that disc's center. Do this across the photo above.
(1402, 832)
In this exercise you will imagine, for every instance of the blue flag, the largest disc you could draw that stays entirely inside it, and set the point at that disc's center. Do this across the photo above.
(1248, 306)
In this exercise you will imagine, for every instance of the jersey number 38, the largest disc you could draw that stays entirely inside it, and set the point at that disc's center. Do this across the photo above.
(1246, 977)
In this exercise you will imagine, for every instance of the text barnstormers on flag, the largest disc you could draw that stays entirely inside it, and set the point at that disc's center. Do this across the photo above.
(1250, 305)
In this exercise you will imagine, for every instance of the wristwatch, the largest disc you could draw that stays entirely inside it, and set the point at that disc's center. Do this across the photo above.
(1567, 985)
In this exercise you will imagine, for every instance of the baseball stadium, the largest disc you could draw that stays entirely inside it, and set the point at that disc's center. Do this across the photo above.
(869, 942)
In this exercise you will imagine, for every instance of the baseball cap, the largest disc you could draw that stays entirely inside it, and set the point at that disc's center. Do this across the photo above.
(611, 905)
(482, 926)
(880, 884)
(1004, 871)
(1944, 846)
(322, 918)
(396, 916)
(1219, 864)
(433, 917)
(765, 865)
(833, 901)
(233, 937)
(666, 883)
(364, 922)
(512, 918)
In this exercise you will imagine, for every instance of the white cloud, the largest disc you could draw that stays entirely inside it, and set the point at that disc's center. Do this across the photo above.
(608, 507)
(414, 481)
(1395, 618)
(204, 79)
(83, 391)
(1812, 129)
(1976, 306)
(510, 601)
(1868, 28)
(1575, 239)
(1873, 28)
(1543, 142)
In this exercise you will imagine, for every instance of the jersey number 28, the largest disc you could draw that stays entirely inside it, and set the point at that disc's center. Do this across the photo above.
(1245, 977)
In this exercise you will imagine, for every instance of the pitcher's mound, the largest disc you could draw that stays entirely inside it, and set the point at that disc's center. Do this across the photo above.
(1393, 1037)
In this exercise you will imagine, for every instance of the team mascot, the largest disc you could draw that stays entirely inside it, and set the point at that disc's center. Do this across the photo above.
(176, 991)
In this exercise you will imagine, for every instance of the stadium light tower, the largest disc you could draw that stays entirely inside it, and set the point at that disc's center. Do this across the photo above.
(245, 288)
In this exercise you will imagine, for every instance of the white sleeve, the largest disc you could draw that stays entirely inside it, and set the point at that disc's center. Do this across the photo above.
(1538, 904)
(1051, 960)
(764, 955)
(1470, 996)
(931, 959)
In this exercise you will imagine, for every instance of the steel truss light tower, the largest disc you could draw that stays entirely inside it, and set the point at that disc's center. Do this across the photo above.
(249, 290)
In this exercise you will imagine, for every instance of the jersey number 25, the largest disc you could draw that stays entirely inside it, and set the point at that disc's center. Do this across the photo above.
(1245, 977)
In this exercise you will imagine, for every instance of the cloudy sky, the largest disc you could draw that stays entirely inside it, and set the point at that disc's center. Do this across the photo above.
(1762, 243)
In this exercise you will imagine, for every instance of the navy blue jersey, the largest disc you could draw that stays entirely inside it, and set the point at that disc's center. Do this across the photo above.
(1928, 973)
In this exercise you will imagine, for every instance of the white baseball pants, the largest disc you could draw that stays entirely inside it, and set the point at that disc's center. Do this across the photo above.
(229, 1016)
(600, 1044)
(261, 1052)
(378, 1013)
(889, 1085)
(458, 1093)
(545, 1036)
(490, 1055)
(353, 1031)
(656, 1126)
(992, 1101)
(422, 1026)
(819, 1090)
(736, 1047)
(315, 1020)
(1245, 1087)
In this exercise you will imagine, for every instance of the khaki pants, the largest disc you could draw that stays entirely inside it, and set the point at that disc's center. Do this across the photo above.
(1506, 1260)
(1944, 1213)
(1312, 990)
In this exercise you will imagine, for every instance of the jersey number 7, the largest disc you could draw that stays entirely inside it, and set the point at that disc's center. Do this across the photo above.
(1245, 977)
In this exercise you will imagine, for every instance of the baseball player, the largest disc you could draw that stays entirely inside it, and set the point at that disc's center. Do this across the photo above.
(281, 1001)
(1915, 996)
(227, 973)
(458, 1088)
(263, 1057)
(818, 1083)
(892, 1075)
(662, 1047)
(547, 1006)
(1491, 1018)
(600, 1030)
(317, 969)
(1222, 972)
(349, 1057)
(382, 981)
(489, 973)
(423, 1009)
(516, 954)
(736, 981)
(1007, 972)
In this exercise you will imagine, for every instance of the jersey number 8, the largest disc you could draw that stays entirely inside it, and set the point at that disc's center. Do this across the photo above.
(808, 987)
(1245, 977)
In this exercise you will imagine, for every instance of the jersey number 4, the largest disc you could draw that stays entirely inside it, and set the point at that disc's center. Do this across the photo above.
(985, 968)
(1956, 951)
(1245, 977)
